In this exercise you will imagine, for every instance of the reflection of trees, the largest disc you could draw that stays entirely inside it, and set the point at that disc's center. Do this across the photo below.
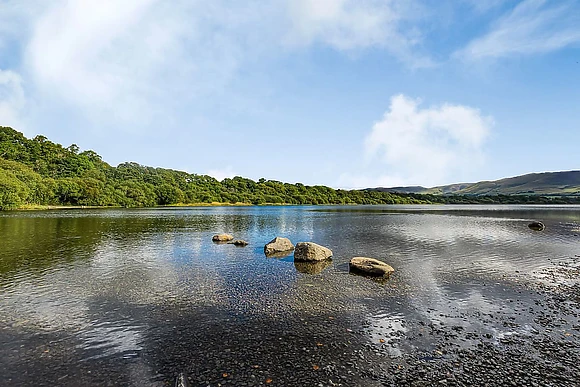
(36, 241)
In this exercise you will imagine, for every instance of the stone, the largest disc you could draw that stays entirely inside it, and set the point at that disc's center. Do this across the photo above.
(239, 243)
(278, 246)
(370, 266)
(537, 226)
(222, 238)
(309, 251)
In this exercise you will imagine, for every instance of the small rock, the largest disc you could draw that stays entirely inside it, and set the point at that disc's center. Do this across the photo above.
(370, 266)
(239, 242)
(222, 238)
(537, 226)
(278, 247)
(309, 251)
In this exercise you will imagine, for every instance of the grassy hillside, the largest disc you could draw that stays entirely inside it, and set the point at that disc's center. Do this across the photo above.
(547, 183)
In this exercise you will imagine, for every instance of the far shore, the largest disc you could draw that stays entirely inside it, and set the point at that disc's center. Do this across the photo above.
(39, 207)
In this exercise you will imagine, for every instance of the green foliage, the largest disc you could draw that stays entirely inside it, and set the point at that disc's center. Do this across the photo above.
(38, 171)
(13, 192)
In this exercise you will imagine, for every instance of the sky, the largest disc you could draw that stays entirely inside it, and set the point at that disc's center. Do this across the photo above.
(344, 93)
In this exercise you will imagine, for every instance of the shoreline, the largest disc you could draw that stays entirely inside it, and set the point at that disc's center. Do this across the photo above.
(39, 207)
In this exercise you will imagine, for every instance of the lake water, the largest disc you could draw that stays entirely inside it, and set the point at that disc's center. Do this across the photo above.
(134, 297)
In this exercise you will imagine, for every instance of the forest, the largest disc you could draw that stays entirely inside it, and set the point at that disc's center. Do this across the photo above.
(38, 172)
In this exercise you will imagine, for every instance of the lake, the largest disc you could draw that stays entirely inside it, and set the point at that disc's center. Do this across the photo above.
(138, 296)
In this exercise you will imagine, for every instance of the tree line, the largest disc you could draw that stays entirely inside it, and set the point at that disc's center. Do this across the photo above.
(39, 172)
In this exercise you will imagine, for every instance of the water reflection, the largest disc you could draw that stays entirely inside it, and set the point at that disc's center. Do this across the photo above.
(312, 267)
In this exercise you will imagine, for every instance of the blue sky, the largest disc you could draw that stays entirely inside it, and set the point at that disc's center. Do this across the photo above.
(345, 93)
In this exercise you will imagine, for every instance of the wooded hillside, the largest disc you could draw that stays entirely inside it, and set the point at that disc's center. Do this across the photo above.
(39, 172)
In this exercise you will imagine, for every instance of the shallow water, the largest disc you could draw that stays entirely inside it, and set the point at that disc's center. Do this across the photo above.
(133, 297)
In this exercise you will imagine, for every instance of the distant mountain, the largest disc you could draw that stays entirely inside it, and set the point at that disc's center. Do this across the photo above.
(547, 183)
(411, 189)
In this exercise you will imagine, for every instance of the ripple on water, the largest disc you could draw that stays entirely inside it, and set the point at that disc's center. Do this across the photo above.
(109, 338)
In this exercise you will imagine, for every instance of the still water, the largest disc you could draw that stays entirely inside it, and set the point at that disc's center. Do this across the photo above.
(134, 297)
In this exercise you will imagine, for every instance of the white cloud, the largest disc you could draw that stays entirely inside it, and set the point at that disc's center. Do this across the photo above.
(221, 174)
(12, 99)
(113, 58)
(426, 146)
(137, 60)
(360, 24)
(532, 27)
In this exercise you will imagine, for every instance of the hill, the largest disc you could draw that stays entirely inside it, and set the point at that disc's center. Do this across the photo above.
(565, 183)
(39, 172)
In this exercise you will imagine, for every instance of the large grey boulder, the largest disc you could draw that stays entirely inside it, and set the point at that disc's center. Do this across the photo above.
(309, 251)
(222, 238)
(278, 247)
(370, 266)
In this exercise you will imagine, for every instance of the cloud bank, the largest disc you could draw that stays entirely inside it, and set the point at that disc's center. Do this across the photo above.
(424, 145)
(139, 60)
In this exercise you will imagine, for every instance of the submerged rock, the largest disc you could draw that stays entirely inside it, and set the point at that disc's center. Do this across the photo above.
(278, 246)
(239, 243)
(537, 226)
(314, 267)
(222, 238)
(370, 266)
(309, 251)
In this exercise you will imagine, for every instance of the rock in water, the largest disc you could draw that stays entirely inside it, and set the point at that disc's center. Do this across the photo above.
(537, 226)
(309, 251)
(370, 266)
(239, 243)
(222, 238)
(278, 246)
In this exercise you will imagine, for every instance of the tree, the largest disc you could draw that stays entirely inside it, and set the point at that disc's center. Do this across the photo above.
(13, 192)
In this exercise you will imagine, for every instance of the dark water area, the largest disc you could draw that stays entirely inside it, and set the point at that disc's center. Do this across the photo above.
(136, 297)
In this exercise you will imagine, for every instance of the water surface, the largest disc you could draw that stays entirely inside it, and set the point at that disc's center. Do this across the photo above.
(133, 297)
